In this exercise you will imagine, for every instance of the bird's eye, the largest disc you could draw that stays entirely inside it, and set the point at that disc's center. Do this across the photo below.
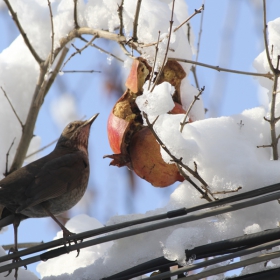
(70, 126)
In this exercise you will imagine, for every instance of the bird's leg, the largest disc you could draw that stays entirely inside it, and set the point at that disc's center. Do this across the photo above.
(14, 249)
(65, 231)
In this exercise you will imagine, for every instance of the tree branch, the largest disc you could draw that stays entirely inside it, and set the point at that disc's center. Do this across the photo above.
(196, 97)
(78, 51)
(167, 46)
(195, 174)
(195, 13)
(42, 88)
(75, 15)
(135, 23)
(220, 69)
(52, 36)
(154, 64)
(7, 158)
(120, 13)
(23, 34)
(275, 71)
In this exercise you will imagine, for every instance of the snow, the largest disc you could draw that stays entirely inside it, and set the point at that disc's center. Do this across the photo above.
(158, 102)
(224, 149)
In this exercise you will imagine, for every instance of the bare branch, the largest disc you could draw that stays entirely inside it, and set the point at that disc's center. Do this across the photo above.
(76, 33)
(126, 52)
(167, 46)
(55, 72)
(23, 34)
(75, 15)
(7, 158)
(276, 72)
(265, 38)
(155, 59)
(220, 69)
(265, 146)
(195, 174)
(104, 51)
(52, 36)
(195, 13)
(187, 178)
(199, 35)
(196, 97)
(135, 23)
(42, 88)
(80, 71)
(12, 107)
(120, 13)
(79, 51)
(231, 191)
(193, 68)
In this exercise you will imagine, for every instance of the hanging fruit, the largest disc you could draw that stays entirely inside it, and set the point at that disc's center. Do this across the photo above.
(134, 145)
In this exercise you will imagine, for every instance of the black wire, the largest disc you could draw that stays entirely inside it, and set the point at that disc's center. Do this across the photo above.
(233, 244)
(171, 214)
(200, 252)
(271, 274)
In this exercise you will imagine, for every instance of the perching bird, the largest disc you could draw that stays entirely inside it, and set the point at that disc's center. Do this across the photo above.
(50, 185)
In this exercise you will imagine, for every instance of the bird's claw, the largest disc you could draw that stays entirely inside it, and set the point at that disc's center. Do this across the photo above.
(11, 251)
(67, 233)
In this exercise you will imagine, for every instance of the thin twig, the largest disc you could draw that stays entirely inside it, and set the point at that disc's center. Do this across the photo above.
(79, 71)
(276, 73)
(265, 38)
(104, 51)
(155, 59)
(193, 68)
(199, 34)
(78, 51)
(187, 178)
(126, 52)
(220, 69)
(13, 108)
(7, 157)
(23, 34)
(43, 148)
(195, 13)
(120, 13)
(135, 23)
(52, 36)
(75, 15)
(195, 174)
(167, 46)
(196, 97)
(229, 191)
(265, 146)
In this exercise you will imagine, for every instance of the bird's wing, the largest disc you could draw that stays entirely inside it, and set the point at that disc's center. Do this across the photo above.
(56, 177)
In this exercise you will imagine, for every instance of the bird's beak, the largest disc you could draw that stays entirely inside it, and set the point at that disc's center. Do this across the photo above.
(91, 120)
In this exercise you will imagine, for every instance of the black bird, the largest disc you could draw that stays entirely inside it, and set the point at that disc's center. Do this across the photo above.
(50, 185)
